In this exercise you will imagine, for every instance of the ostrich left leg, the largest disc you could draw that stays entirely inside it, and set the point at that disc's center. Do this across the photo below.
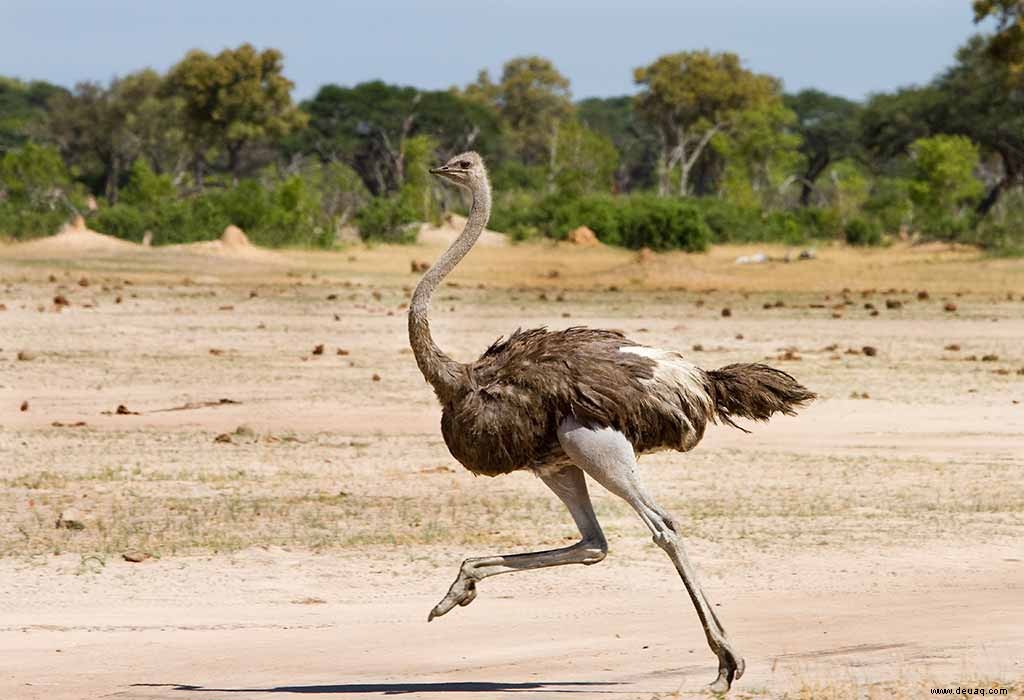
(570, 486)
(607, 456)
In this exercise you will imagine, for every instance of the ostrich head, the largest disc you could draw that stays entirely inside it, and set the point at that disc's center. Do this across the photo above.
(466, 170)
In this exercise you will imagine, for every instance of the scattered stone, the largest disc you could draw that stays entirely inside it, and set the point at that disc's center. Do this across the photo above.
(922, 295)
(70, 519)
(216, 351)
(223, 437)
(26, 356)
(122, 410)
(418, 266)
(76, 424)
(789, 355)
(226, 307)
(135, 556)
(726, 312)
(859, 395)
(949, 306)
(342, 351)
(874, 312)
(990, 358)
(24, 406)
(869, 350)
(332, 297)
(61, 300)
(739, 336)
(319, 349)
(309, 601)
(245, 431)
(952, 347)
(375, 377)
(698, 348)
(84, 282)
(893, 304)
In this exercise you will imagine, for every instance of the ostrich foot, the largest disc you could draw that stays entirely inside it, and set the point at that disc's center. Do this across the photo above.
(730, 667)
(462, 592)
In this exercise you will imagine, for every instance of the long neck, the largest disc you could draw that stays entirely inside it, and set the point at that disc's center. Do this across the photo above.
(444, 373)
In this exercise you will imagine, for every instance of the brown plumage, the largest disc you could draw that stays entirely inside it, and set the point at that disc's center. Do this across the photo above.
(513, 398)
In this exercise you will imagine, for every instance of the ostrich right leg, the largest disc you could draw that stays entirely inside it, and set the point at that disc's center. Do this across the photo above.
(608, 457)
(570, 486)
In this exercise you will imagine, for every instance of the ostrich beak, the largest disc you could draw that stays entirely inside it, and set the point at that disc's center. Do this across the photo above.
(438, 171)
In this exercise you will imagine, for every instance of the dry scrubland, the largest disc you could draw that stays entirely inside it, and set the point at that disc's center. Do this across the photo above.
(296, 534)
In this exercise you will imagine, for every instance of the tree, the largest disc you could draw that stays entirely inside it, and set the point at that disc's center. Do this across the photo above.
(975, 103)
(583, 160)
(368, 126)
(760, 154)
(102, 130)
(689, 97)
(1007, 45)
(231, 100)
(944, 179)
(633, 137)
(533, 98)
(890, 122)
(22, 108)
(828, 127)
(34, 176)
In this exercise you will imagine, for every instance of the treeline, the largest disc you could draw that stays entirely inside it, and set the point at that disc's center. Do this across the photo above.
(706, 151)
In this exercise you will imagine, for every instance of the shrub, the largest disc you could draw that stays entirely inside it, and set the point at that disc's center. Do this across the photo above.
(600, 213)
(863, 232)
(662, 223)
(386, 219)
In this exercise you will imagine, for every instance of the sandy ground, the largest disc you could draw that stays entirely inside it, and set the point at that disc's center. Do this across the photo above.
(870, 547)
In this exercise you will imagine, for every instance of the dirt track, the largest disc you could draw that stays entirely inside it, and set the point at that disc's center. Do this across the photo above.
(866, 541)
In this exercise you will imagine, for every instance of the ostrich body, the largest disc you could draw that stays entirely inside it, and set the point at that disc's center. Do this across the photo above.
(580, 401)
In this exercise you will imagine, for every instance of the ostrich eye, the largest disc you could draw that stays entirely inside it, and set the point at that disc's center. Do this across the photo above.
(464, 164)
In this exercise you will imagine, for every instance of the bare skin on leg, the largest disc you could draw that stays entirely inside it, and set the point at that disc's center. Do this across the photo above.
(608, 458)
(570, 486)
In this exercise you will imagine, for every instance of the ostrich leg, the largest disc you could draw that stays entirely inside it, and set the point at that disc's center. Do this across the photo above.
(570, 485)
(607, 456)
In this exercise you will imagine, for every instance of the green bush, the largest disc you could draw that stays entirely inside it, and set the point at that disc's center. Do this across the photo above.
(662, 223)
(386, 219)
(600, 213)
(863, 232)
(20, 222)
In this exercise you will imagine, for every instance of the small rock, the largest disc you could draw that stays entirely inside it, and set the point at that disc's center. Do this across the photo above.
(375, 377)
(135, 556)
(24, 406)
(61, 300)
(245, 431)
(26, 356)
(990, 358)
(319, 349)
(698, 348)
(952, 347)
(893, 304)
(70, 519)
(418, 266)
(869, 350)
(726, 312)
(922, 295)
(342, 351)
(949, 306)
(223, 437)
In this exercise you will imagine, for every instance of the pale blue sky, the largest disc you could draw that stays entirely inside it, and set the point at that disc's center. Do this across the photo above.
(850, 47)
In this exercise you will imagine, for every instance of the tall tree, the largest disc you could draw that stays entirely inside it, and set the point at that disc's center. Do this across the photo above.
(975, 103)
(690, 97)
(633, 137)
(829, 128)
(102, 129)
(22, 109)
(890, 122)
(231, 100)
(368, 127)
(533, 98)
(1007, 45)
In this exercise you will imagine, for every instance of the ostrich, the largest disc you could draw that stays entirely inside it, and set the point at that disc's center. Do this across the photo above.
(579, 401)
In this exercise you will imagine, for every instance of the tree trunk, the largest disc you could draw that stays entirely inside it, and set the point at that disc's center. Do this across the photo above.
(814, 169)
(686, 163)
(234, 161)
(1010, 175)
(111, 189)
